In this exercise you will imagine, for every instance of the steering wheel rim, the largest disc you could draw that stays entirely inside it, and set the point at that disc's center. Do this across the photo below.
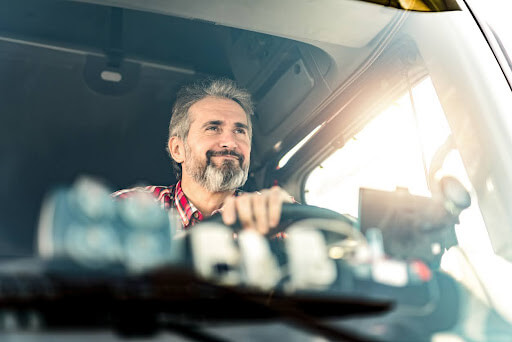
(291, 213)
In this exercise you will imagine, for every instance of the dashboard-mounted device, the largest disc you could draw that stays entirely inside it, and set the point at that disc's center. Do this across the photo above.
(413, 227)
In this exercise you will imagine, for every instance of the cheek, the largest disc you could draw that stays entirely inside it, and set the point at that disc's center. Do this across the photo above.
(244, 142)
(246, 150)
(204, 144)
(195, 153)
(197, 144)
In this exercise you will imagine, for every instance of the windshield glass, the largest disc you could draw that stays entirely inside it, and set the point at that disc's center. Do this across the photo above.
(379, 136)
(408, 145)
(400, 141)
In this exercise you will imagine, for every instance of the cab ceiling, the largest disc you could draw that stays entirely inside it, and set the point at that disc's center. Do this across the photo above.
(321, 21)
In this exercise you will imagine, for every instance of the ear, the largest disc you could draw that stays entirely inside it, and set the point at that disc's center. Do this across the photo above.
(177, 149)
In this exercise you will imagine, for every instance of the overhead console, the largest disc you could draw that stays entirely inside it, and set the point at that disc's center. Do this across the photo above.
(280, 73)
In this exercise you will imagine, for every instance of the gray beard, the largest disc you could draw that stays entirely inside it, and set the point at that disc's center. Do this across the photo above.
(228, 176)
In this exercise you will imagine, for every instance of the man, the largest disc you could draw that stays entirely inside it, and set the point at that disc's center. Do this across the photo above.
(210, 144)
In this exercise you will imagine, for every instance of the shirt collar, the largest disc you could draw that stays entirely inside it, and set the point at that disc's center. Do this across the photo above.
(186, 209)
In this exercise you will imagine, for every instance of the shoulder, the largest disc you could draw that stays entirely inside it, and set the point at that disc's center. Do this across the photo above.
(158, 191)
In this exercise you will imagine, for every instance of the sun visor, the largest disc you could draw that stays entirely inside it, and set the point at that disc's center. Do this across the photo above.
(287, 93)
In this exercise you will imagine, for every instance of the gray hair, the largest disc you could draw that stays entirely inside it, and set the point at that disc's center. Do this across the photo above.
(194, 92)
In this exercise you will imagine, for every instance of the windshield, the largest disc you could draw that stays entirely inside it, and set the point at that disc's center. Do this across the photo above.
(422, 126)
(413, 154)
(401, 142)
(387, 128)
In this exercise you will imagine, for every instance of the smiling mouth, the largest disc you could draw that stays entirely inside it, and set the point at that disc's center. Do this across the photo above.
(228, 156)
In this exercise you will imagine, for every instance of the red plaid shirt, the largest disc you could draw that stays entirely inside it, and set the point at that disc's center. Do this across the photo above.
(170, 197)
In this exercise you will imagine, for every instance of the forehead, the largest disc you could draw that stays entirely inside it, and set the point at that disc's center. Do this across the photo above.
(212, 108)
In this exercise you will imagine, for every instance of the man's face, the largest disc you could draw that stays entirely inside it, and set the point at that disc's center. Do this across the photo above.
(218, 146)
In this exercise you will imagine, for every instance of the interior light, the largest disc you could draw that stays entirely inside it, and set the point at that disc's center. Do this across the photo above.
(111, 76)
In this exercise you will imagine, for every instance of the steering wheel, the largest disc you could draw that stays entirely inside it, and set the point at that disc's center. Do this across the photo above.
(293, 212)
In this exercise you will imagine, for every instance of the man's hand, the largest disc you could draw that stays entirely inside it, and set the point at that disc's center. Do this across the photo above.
(256, 210)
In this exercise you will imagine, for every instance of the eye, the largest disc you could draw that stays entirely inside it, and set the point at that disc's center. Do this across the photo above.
(212, 128)
(240, 131)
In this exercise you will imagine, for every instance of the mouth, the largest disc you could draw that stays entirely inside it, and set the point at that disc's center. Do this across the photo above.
(233, 155)
(227, 156)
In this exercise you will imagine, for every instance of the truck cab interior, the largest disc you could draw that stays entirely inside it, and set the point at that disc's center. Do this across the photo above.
(382, 111)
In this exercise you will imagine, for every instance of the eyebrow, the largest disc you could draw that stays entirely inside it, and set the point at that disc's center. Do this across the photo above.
(213, 122)
(220, 122)
(241, 125)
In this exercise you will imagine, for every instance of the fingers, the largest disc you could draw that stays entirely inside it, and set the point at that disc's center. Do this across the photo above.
(229, 211)
(260, 211)
(275, 204)
(277, 197)
(240, 207)
(244, 210)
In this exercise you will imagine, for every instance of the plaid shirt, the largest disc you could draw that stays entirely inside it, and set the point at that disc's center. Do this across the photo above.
(170, 197)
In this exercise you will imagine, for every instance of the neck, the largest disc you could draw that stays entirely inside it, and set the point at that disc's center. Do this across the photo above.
(204, 200)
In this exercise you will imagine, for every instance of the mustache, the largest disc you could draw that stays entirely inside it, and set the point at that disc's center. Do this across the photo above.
(211, 153)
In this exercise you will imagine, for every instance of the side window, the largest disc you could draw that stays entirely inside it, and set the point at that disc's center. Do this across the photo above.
(394, 149)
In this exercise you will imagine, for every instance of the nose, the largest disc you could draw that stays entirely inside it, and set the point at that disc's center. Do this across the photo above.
(227, 140)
